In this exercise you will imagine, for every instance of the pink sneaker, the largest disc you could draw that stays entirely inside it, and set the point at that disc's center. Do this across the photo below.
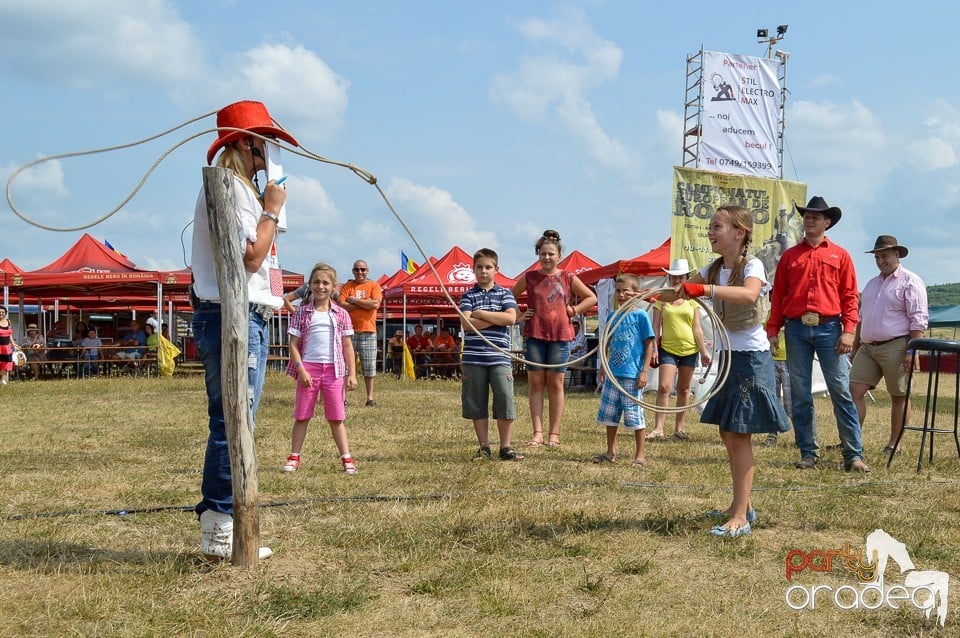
(292, 464)
(349, 466)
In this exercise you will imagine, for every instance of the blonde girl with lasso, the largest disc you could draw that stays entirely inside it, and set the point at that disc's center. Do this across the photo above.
(747, 403)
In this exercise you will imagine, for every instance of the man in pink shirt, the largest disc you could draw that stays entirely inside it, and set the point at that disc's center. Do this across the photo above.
(893, 310)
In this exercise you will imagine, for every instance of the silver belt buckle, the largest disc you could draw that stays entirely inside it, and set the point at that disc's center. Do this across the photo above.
(810, 319)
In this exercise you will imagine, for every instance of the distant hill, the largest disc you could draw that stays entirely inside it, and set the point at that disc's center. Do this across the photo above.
(943, 295)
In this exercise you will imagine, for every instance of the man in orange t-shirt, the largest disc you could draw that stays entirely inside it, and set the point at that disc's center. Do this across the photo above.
(444, 349)
(361, 297)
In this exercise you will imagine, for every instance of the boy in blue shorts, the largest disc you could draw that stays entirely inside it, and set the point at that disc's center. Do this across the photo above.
(631, 347)
(492, 309)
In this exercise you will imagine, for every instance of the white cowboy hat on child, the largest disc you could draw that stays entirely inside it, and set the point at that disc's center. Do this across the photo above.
(678, 267)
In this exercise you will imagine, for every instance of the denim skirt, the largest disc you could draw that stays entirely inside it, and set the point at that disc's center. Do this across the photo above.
(748, 403)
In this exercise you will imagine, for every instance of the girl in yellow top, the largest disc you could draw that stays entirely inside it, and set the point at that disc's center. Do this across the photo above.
(680, 340)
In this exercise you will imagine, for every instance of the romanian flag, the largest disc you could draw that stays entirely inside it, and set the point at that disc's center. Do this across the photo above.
(109, 247)
(407, 264)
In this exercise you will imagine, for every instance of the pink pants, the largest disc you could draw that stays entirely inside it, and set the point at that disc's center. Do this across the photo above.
(325, 381)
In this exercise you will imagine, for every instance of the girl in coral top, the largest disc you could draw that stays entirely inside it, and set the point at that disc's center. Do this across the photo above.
(548, 332)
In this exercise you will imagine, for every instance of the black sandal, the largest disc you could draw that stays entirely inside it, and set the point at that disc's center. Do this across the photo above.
(509, 454)
(483, 454)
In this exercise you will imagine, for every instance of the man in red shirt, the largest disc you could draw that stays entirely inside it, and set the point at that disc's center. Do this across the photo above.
(815, 296)
(420, 349)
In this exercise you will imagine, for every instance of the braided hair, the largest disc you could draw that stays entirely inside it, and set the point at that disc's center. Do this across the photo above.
(740, 218)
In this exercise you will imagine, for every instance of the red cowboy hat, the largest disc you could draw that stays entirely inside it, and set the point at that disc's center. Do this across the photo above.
(249, 116)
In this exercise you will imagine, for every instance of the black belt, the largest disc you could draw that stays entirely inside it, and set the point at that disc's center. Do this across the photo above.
(880, 343)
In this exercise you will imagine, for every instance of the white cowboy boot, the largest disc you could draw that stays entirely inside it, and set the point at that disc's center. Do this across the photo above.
(216, 536)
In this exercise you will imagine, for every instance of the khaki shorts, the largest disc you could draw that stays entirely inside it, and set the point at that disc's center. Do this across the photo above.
(884, 361)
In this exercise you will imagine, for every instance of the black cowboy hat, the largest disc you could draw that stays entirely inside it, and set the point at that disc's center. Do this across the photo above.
(818, 204)
(888, 241)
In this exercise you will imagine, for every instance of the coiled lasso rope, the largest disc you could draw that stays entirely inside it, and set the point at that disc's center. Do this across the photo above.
(721, 339)
(302, 151)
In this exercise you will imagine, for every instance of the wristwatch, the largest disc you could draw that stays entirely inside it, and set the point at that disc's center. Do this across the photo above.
(275, 218)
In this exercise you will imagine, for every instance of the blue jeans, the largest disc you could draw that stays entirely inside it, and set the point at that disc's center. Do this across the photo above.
(216, 487)
(802, 343)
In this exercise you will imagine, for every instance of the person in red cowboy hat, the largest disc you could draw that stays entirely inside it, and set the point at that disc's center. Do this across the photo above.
(242, 127)
(893, 310)
(815, 296)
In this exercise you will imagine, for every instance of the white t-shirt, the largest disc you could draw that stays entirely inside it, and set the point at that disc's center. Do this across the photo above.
(753, 338)
(202, 262)
(320, 341)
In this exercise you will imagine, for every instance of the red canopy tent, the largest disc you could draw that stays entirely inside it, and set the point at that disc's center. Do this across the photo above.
(90, 275)
(7, 266)
(7, 270)
(90, 269)
(393, 280)
(647, 264)
(456, 272)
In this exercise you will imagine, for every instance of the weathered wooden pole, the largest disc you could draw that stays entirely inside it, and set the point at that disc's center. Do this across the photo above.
(234, 309)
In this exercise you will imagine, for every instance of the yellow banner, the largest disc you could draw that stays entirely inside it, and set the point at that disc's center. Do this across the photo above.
(698, 193)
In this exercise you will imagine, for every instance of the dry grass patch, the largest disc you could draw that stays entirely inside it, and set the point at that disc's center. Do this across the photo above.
(423, 541)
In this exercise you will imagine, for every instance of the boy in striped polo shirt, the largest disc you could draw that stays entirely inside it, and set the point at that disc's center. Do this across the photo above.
(491, 309)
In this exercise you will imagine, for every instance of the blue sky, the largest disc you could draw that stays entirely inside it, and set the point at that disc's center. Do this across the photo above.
(484, 122)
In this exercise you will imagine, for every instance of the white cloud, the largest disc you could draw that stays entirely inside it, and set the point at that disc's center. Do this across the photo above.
(92, 44)
(38, 193)
(940, 147)
(840, 150)
(43, 180)
(824, 80)
(931, 153)
(429, 207)
(317, 105)
(309, 206)
(555, 84)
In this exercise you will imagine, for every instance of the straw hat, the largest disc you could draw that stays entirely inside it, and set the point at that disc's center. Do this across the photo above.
(32, 326)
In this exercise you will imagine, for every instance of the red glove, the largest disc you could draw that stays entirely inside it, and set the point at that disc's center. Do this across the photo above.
(693, 290)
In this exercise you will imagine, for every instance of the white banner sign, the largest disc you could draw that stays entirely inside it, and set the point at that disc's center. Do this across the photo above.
(740, 121)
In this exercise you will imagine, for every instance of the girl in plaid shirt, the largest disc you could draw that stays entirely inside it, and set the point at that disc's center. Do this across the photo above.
(321, 360)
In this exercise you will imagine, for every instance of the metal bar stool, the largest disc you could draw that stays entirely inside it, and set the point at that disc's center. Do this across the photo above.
(936, 349)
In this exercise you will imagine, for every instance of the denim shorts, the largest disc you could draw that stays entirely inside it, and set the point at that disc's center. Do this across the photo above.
(548, 352)
(670, 359)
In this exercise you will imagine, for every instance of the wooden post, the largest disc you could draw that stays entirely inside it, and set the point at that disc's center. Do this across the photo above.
(232, 282)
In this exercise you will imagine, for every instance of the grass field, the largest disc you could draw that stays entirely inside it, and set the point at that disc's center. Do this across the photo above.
(424, 542)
